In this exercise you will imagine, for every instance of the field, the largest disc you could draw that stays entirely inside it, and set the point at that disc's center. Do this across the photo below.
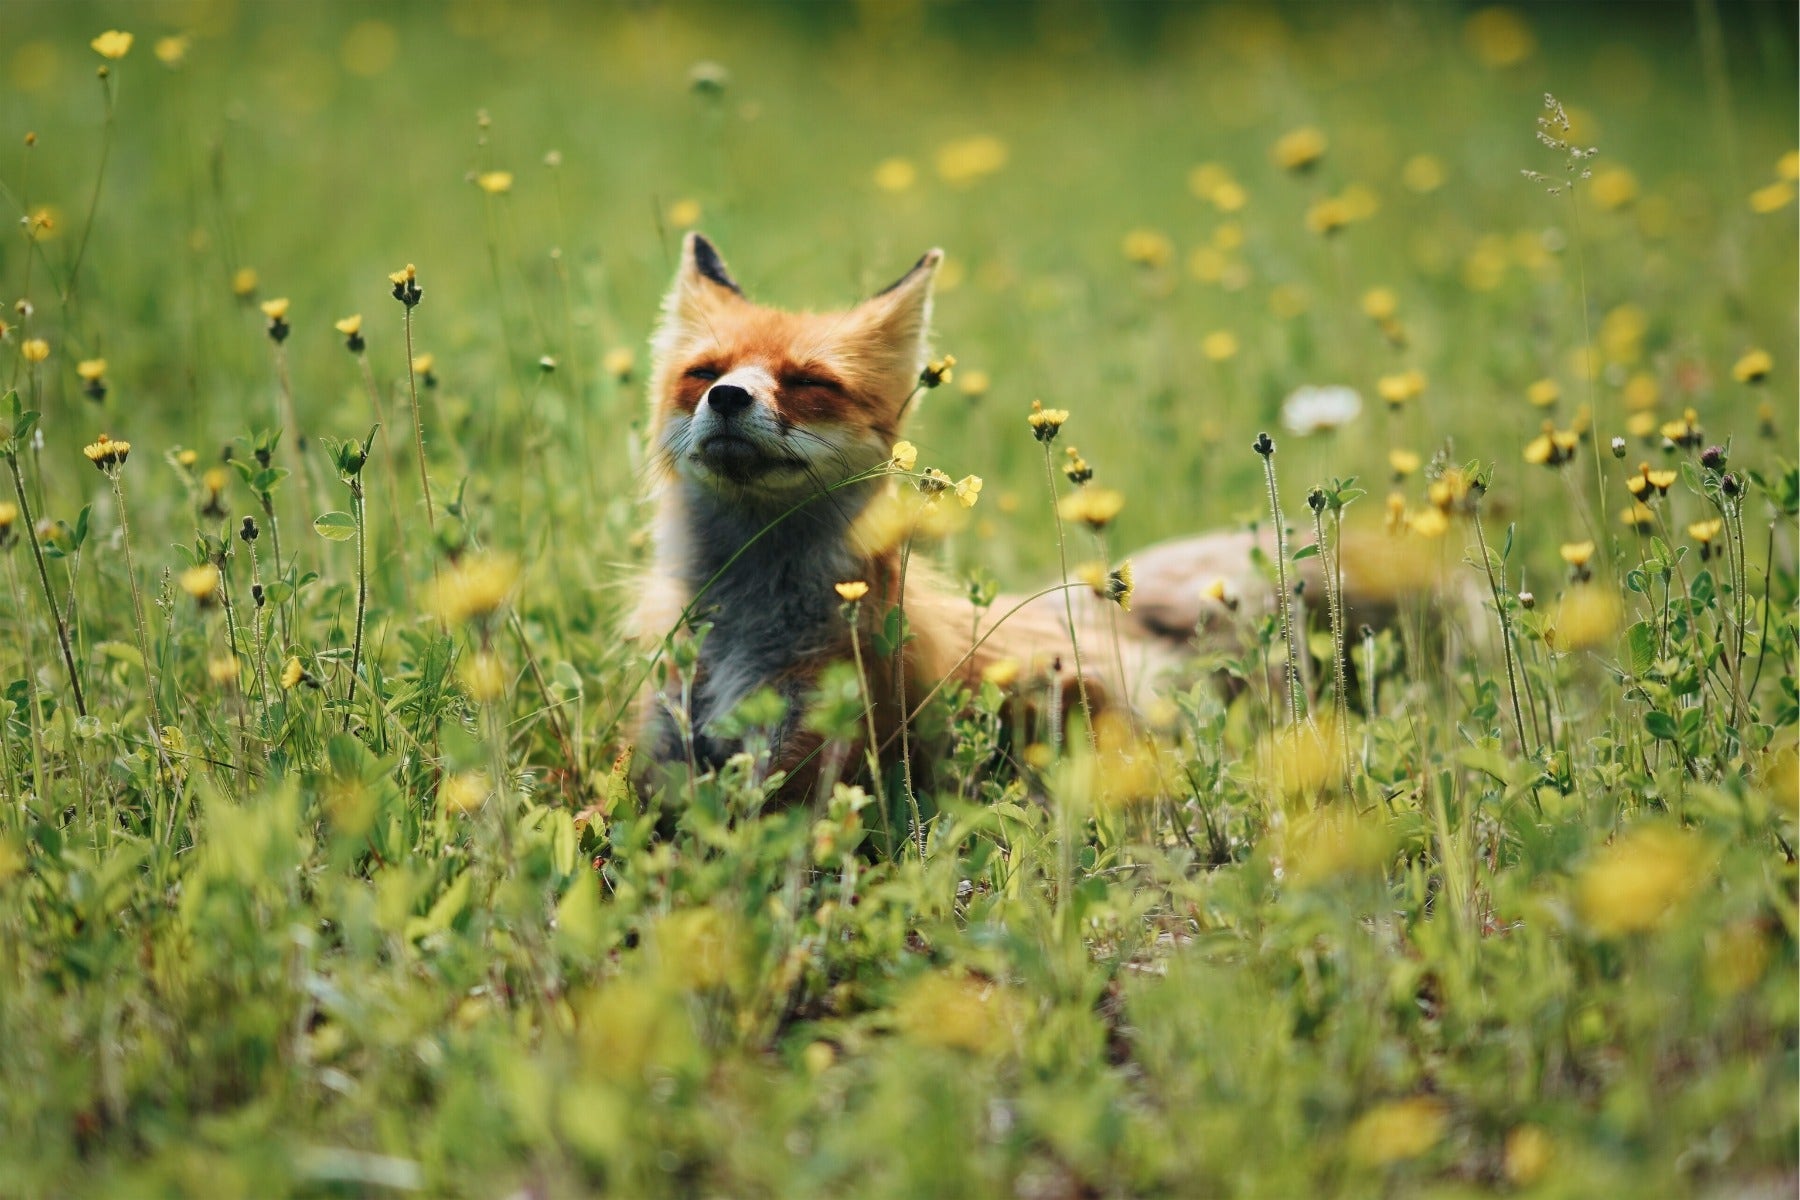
(322, 871)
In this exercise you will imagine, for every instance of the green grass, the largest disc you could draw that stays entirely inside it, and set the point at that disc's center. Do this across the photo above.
(266, 957)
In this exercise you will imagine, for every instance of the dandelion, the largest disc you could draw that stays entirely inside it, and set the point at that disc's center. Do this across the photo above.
(1149, 248)
(1613, 188)
(1704, 532)
(243, 282)
(474, 587)
(895, 174)
(495, 183)
(1380, 304)
(1320, 409)
(851, 590)
(1499, 37)
(1641, 424)
(1431, 523)
(1299, 150)
(351, 328)
(1403, 463)
(966, 160)
(1328, 216)
(684, 214)
(1552, 447)
(292, 674)
(201, 583)
(1637, 516)
(483, 676)
(1788, 165)
(1633, 885)
(1685, 432)
(1094, 507)
(114, 44)
(1399, 388)
(1219, 592)
(463, 792)
(1543, 393)
(938, 371)
(1046, 423)
(276, 310)
(968, 490)
(223, 670)
(9, 517)
(171, 51)
(1219, 346)
(406, 286)
(106, 454)
(34, 350)
(1422, 173)
(1076, 470)
(92, 373)
(1753, 367)
(974, 384)
(1002, 672)
(619, 363)
(1772, 198)
(1527, 1155)
(422, 365)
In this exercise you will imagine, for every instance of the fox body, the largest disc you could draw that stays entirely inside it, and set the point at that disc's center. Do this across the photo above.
(768, 429)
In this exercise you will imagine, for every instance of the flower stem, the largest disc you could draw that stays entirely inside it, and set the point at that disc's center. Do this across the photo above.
(37, 554)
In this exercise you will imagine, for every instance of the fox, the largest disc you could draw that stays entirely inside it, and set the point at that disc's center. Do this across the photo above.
(766, 435)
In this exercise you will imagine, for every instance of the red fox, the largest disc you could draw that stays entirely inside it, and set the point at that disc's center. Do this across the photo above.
(759, 417)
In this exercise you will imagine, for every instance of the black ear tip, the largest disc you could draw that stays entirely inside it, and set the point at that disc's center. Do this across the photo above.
(928, 263)
(705, 257)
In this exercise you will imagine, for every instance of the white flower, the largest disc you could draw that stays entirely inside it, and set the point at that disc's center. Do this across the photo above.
(1312, 409)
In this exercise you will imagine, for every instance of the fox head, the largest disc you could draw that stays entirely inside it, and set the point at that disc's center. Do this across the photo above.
(763, 405)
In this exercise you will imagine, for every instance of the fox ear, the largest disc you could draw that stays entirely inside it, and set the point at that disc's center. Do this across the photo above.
(701, 264)
(702, 287)
(892, 325)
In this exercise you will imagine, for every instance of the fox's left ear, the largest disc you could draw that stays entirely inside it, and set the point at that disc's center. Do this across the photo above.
(894, 323)
(702, 285)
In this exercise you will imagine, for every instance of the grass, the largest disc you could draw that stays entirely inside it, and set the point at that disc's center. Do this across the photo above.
(371, 904)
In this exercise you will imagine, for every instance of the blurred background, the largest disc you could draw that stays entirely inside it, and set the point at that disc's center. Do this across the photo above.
(1108, 180)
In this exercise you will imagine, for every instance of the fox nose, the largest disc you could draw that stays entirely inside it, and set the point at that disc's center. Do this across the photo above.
(728, 399)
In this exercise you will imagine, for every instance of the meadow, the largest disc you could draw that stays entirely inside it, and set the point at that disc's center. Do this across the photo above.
(322, 867)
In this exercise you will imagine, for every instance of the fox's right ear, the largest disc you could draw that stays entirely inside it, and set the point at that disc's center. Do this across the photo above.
(702, 287)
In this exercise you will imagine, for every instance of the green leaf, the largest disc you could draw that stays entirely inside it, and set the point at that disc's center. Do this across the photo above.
(1640, 639)
(1661, 725)
(336, 526)
(1306, 552)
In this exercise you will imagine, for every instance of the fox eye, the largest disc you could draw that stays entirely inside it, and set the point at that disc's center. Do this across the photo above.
(703, 373)
(811, 381)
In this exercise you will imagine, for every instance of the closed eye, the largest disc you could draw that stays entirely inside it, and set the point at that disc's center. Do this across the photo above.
(703, 373)
(812, 381)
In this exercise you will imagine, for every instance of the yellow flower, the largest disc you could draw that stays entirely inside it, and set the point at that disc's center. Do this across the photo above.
(938, 371)
(1577, 554)
(1430, 523)
(404, 275)
(1002, 672)
(1299, 149)
(422, 364)
(851, 590)
(1229, 197)
(1380, 304)
(1640, 391)
(1219, 346)
(1528, 1153)
(1149, 248)
(223, 671)
(1397, 1130)
(1633, 884)
(171, 51)
(483, 676)
(1585, 616)
(463, 792)
(684, 214)
(1662, 481)
(1637, 515)
(90, 369)
(1613, 187)
(1328, 216)
(619, 363)
(974, 384)
(1641, 424)
(292, 673)
(1788, 165)
(955, 1012)
(1772, 197)
(34, 350)
(495, 183)
(1499, 36)
(474, 587)
(276, 309)
(1705, 531)
(1544, 393)
(243, 282)
(1553, 447)
(1206, 179)
(1094, 507)
(895, 174)
(1046, 422)
(968, 490)
(905, 455)
(187, 458)
(1403, 462)
(114, 44)
(9, 515)
(106, 453)
(1398, 389)
(349, 326)
(1754, 367)
(1422, 173)
(968, 159)
(201, 583)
